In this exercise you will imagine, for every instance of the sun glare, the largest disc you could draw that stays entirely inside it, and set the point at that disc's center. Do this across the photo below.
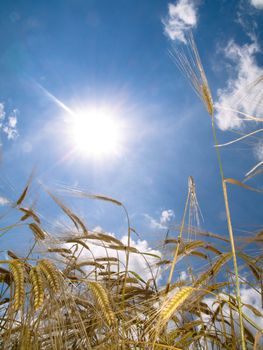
(96, 133)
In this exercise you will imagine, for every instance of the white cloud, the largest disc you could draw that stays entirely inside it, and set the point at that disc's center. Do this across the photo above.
(153, 222)
(12, 121)
(3, 201)
(2, 112)
(252, 297)
(257, 168)
(181, 18)
(9, 126)
(144, 266)
(137, 263)
(10, 132)
(257, 3)
(183, 276)
(166, 217)
(238, 95)
(249, 296)
(259, 151)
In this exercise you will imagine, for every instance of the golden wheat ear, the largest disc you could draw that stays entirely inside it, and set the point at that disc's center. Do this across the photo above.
(51, 274)
(37, 230)
(37, 286)
(17, 270)
(103, 301)
(168, 308)
(189, 62)
(24, 193)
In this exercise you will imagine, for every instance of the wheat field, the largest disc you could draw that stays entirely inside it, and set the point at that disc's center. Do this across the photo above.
(63, 295)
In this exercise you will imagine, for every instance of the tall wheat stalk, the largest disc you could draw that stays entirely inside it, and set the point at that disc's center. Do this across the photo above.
(231, 234)
(190, 64)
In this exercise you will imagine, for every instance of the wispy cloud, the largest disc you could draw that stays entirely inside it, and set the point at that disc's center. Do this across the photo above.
(153, 222)
(2, 113)
(238, 94)
(8, 123)
(166, 217)
(3, 201)
(259, 151)
(181, 18)
(257, 3)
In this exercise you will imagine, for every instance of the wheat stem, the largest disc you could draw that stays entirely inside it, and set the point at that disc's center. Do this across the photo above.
(231, 236)
(177, 246)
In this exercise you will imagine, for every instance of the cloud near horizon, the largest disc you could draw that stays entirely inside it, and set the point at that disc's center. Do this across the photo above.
(144, 265)
(249, 296)
(181, 18)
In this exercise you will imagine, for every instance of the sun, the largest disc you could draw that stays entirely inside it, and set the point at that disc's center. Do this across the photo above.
(96, 132)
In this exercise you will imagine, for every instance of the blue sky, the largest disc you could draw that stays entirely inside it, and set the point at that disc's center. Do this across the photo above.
(113, 55)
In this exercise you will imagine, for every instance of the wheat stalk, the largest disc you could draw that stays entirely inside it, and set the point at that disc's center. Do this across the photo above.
(26, 338)
(192, 67)
(178, 244)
